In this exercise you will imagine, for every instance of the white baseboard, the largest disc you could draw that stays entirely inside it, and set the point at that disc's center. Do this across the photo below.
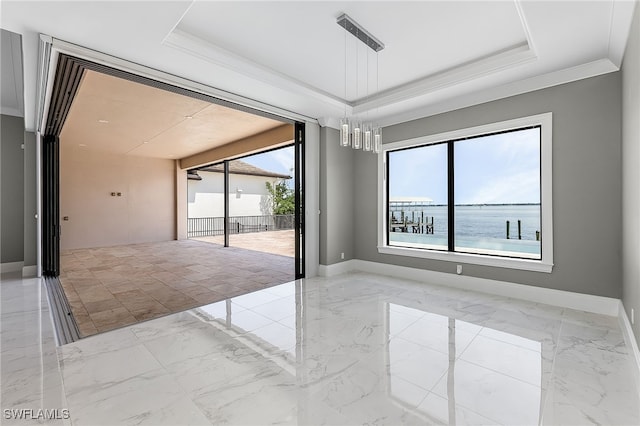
(336, 269)
(630, 341)
(566, 299)
(30, 271)
(11, 267)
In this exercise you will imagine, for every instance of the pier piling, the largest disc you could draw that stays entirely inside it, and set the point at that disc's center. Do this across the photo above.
(519, 229)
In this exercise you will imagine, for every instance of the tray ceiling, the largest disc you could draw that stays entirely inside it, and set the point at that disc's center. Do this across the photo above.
(439, 55)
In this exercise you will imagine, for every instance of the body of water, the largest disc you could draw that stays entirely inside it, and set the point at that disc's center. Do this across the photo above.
(478, 229)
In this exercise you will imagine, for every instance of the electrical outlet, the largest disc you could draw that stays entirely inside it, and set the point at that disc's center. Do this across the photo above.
(342, 256)
(459, 269)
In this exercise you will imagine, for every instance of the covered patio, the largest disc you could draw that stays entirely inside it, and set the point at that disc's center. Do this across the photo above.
(112, 287)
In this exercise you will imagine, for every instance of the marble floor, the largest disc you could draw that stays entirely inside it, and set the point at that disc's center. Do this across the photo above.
(352, 349)
(30, 378)
(112, 287)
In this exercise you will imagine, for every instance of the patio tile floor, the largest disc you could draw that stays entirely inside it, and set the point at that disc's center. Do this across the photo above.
(276, 242)
(112, 287)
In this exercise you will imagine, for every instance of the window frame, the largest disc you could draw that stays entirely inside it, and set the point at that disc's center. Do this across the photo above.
(544, 120)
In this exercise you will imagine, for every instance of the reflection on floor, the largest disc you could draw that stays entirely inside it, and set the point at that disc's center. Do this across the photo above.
(29, 367)
(352, 349)
(275, 242)
(111, 287)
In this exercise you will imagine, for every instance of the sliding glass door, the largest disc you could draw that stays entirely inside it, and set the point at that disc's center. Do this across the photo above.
(255, 202)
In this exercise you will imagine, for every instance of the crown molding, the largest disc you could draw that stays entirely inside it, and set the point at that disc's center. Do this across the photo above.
(621, 19)
(493, 63)
(498, 61)
(515, 55)
(555, 78)
(385, 103)
(13, 112)
(200, 48)
(568, 75)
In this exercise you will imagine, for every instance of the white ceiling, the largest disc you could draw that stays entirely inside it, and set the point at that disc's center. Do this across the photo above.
(438, 55)
(321, 42)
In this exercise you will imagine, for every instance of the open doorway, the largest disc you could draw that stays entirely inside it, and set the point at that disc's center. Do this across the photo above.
(261, 202)
(114, 164)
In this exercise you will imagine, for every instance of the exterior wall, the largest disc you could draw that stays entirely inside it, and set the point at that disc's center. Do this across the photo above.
(586, 177)
(631, 174)
(337, 199)
(12, 187)
(182, 190)
(206, 196)
(145, 212)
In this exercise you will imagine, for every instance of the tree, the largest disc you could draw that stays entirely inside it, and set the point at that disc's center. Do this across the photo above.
(282, 198)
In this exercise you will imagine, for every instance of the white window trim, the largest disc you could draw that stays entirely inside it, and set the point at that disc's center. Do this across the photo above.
(544, 265)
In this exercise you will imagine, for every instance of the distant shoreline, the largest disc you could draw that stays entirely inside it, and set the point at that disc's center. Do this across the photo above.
(468, 205)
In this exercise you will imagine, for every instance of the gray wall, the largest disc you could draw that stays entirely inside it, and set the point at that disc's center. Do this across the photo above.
(12, 189)
(586, 184)
(30, 194)
(631, 174)
(336, 199)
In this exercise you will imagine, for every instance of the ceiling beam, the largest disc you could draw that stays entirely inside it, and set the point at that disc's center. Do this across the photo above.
(271, 138)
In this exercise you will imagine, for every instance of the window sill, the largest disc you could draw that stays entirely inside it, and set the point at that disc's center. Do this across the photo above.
(498, 262)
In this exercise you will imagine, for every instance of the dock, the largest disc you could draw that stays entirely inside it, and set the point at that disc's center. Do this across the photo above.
(416, 225)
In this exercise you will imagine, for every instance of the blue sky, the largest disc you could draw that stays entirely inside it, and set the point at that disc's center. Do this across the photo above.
(279, 161)
(496, 169)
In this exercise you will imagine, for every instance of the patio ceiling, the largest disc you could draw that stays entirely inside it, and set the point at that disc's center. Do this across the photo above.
(113, 115)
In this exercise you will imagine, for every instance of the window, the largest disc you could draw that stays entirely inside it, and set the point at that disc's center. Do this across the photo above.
(479, 195)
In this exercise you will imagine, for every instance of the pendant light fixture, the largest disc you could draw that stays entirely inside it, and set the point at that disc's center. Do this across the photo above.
(353, 132)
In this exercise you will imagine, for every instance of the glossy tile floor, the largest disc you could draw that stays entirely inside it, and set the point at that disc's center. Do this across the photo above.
(111, 287)
(29, 368)
(354, 349)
